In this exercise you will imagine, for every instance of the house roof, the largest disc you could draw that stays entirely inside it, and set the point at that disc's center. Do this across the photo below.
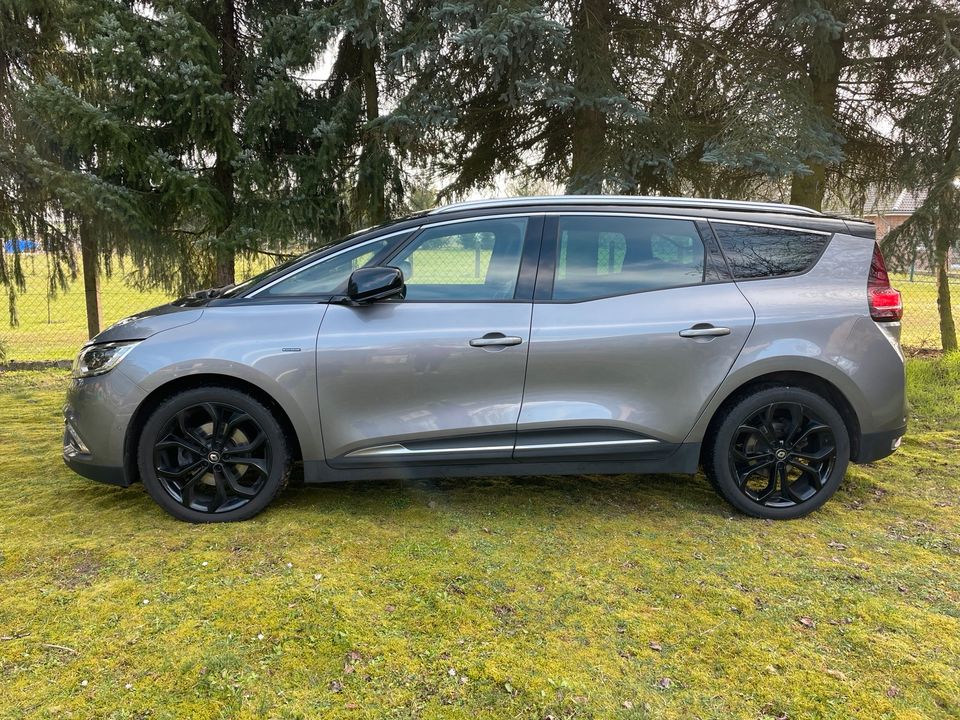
(903, 203)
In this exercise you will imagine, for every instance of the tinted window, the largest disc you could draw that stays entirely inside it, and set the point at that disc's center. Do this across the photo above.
(603, 256)
(328, 275)
(475, 260)
(756, 252)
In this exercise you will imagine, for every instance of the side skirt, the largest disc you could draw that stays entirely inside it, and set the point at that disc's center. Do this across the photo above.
(685, 460)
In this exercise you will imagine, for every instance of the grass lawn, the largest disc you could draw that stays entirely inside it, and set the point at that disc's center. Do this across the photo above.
(591, 597)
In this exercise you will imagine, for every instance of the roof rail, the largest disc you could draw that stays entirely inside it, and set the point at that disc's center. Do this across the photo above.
(639, 200)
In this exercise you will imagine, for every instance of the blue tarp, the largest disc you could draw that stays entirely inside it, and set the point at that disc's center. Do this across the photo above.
(19, 245)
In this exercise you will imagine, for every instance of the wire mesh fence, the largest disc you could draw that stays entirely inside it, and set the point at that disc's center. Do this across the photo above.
(53, 325)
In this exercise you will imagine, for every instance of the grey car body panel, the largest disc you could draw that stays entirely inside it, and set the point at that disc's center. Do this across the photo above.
(149, 323)
(269, 346)
(395, 390)
(372, 360)
(819, 323)
(618, 362)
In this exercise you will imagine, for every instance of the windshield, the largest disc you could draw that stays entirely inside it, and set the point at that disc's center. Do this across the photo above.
(241, 288)
(249, 283)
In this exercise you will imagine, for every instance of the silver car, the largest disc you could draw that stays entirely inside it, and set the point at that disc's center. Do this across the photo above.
(555, 335)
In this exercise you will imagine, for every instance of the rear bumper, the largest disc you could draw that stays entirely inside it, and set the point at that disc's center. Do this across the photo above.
(874, 446)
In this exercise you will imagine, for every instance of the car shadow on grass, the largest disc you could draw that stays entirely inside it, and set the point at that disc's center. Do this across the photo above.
(626, 493)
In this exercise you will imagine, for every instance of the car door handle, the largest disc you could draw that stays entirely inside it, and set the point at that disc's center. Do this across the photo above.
(704, 330)
(496, 340)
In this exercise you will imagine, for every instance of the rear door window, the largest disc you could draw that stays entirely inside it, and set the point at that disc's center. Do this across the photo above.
(602, 256)
(753, 251)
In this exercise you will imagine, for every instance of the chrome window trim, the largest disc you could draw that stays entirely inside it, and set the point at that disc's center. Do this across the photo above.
(327, 257)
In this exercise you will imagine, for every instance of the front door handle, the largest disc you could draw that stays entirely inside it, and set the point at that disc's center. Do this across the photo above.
(496, 339)
(704, 330)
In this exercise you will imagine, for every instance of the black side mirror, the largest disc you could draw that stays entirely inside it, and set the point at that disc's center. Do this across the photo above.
(368, 285)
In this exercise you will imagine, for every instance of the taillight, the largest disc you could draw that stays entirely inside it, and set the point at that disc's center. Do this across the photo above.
(885, 302)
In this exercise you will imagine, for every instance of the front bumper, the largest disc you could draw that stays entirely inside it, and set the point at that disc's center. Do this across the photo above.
(874, 446)
(96, 416)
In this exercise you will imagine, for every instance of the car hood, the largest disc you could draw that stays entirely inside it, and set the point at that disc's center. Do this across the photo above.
(149, 322)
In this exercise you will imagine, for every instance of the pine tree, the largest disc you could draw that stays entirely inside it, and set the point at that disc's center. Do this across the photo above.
(927, 116)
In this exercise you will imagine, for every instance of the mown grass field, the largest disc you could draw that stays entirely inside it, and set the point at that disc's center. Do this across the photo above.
(591, 597)
(54, 328)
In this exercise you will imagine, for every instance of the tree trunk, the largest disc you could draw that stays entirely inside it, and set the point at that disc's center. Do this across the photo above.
(593, 66)
(91, 277)
(948, 329)
(225, 252)
(372, 186)
(824, 65)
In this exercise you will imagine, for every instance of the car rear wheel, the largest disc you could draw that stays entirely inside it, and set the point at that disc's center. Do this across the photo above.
(779, 453)
(213, 455)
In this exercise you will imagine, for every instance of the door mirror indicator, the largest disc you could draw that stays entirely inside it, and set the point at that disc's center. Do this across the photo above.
(371, 284)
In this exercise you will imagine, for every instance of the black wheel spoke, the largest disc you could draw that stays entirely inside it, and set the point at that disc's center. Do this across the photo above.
(810, 432)
(787, 493)
(217, 418)
(764, 494)
(179, 473)
(234, 422)
(751, 470)
(246, 448)
(256, 463)
(820, 455)
(221, 494)
(234, 482)
(795, 411)
(186, 489)
(812, 473)
(172, 441)
(188, 433)
(767, 427)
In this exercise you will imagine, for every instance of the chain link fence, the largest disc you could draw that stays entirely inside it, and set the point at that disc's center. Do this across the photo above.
(52, 325)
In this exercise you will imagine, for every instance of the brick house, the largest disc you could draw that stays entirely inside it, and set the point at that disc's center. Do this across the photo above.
(888, 212)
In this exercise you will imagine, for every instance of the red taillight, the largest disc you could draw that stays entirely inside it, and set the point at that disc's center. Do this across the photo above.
(885, 302)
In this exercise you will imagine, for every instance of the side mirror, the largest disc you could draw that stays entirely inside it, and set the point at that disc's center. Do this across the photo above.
(368, 285)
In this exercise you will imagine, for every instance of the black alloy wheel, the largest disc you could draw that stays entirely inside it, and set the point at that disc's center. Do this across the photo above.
(782, 455)
(210, 455)
(777, 452)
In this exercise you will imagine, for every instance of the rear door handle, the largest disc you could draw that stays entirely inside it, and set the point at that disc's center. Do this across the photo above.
(704, 330)
(496, 339)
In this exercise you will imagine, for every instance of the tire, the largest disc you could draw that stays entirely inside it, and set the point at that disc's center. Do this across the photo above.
(772, 435)
(195, 476)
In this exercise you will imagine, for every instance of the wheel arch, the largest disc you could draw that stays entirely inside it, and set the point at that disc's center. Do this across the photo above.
(190, 382)
(791, 378)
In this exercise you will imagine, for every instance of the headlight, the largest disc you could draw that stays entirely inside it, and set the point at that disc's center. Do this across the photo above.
(98, 359)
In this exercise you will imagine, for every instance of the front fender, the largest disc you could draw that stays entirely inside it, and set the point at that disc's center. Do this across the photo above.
(272, 347)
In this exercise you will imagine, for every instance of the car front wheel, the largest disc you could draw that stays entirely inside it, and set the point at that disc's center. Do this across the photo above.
(213, 455)
(780, 453)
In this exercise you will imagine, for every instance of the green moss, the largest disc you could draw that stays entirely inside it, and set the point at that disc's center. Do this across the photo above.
(545, 596)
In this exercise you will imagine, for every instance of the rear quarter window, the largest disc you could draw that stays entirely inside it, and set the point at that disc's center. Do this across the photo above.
(753, 251)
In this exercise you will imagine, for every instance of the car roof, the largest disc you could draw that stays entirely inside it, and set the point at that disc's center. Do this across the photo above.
(631, 200)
